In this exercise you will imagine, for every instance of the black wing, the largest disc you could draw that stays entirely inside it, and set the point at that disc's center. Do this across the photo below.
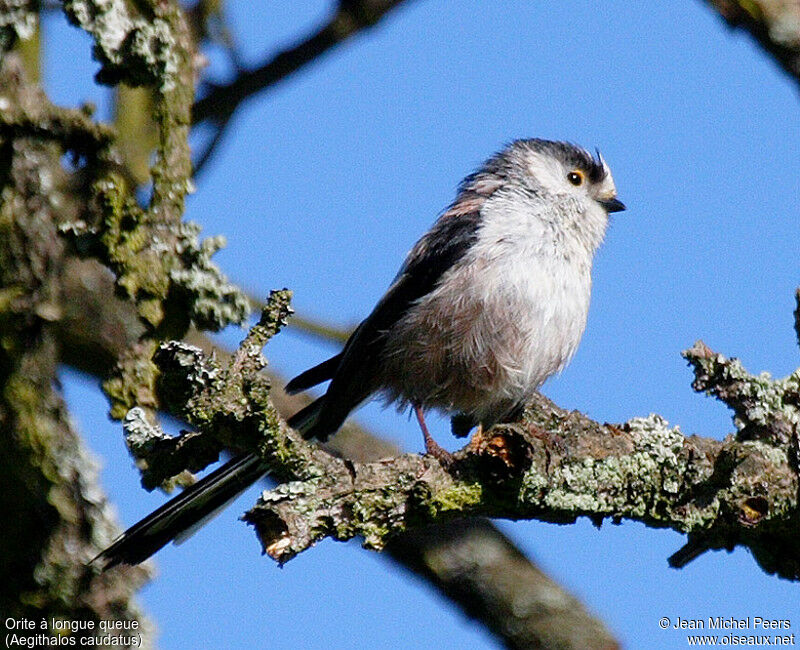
(313, 376)
(353, 370)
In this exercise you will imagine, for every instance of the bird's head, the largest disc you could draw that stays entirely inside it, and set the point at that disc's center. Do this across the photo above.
(559, 169)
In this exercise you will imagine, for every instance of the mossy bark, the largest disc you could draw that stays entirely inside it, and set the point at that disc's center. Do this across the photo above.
(51, 497)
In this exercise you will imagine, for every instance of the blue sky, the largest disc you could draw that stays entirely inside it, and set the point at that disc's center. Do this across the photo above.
(324, 183)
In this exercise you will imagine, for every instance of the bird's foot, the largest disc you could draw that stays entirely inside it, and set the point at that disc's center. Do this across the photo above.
(432, 448)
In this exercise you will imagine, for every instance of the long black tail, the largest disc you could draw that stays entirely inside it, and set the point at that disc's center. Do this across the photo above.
(181, 516)
(182, 513)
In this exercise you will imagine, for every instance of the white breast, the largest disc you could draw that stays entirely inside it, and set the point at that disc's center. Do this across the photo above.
(506, 317)
(535, 292)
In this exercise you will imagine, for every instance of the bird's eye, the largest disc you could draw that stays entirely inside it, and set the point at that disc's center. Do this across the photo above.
(575, 177)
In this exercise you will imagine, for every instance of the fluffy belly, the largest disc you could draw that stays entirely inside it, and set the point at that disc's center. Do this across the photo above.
(483, 352)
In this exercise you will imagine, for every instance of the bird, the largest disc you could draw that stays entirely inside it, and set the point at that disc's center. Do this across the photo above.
(490, 302)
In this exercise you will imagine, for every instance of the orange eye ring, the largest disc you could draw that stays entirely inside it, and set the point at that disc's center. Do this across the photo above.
(575, 177)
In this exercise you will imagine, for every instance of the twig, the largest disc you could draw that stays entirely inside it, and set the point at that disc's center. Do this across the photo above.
(350, 18)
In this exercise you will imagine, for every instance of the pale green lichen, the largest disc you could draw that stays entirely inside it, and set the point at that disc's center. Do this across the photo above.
(154, 45)
(215, 302)
(130, 48)
(659, 450)
(764, 397)
(615, 483)
(376, 518)
(758, 401)
(17, 21)
(153, 261)
(774, 394)
(288, 490)
(140, 434)
(775, 456)
(374, 537)
(195, 371)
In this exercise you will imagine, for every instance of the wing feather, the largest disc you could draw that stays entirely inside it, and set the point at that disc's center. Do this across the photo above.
(433, 255)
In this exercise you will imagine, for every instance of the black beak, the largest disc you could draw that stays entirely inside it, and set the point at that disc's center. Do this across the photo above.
(613, 205)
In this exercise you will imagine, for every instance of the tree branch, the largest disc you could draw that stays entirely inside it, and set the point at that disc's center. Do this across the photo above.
(350, 18)
(551, 466)
(555, 466)
(158, 260)
(52, 501)
(478, 568)
(469, 560)
(774, 24)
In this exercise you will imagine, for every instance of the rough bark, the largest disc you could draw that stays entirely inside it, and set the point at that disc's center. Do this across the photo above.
(470, 560)
(51, 496)
(551, 466)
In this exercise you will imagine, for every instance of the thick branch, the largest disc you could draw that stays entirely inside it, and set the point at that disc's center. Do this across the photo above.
(552, 466)
(469, 560)
(556, 466)
(475, 566)
(51, 496)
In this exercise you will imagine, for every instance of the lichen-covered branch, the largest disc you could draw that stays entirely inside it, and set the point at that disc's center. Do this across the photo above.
(73, 130)
(154, 254)
(740, 491)
(51, 496)
(764, 408)
(161, 265)
(556, 466)
(774, 24)
(552, 466)
(469, 560)
(159, 262)
(139, 48)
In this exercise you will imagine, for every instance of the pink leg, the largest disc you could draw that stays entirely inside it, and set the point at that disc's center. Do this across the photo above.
(431, 446)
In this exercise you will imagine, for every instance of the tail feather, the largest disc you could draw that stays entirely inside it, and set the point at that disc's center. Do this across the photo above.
(308, 422)
(313, 376)
(183, 513)
(181, 516)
